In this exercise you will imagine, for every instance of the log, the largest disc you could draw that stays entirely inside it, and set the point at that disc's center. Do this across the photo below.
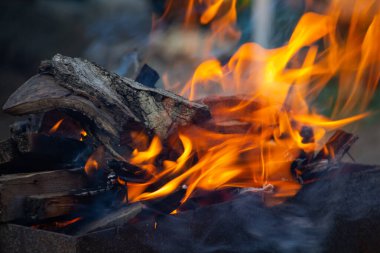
(116, 218)
(128, 172)
(223, 120)
(10, 148)
(16, 187)
(337, 146)
(44, 206)
(108, 101)
(50, 205)
(31, 152)
(8, 151)
(147, 76)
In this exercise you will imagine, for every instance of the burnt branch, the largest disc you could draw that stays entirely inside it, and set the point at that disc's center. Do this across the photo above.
(116, 218)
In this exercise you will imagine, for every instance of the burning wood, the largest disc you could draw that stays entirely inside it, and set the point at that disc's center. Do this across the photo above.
(110, 103)
(329, 158)
(152, 149)
(15, 188)
(50, 205)
(30, 149)
(96, 96)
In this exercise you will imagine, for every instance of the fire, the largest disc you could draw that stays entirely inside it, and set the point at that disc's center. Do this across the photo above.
(93, 162)
(62, 224)
(56, 126)
(83, 135)
(145, 159)
(283, 82)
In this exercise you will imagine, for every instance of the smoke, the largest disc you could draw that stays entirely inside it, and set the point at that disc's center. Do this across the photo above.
(312, 221)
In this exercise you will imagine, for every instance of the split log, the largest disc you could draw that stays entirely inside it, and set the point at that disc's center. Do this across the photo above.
(10, 148)
(50, 205)
(147, 76)
(223, 120)
(128, 172)
(15, 188)
(28, 149)
(116, 218)
(329, 158)
(337, 146)
(30, 152)
(8, 151)
(44, 206)
(108, 101)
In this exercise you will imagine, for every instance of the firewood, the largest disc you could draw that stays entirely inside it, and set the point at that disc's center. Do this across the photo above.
(225, 122)
(116, 218)
(147, 76)
(128, 172)
(227, 127)
(8, 151)
(16, 187)
(324, 162)
(337, 146)
(50, 205)
(107, 100)
(10, 148)
(31, 152)
(44, 206)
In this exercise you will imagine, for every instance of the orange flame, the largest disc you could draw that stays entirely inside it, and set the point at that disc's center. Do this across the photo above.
(281, 84)
(62, 224)
(83, 135)
(93, 163)
(56, 126)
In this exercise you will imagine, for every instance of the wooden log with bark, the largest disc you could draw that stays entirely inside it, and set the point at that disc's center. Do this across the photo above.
(109, 102)
(329, 158)
(16, 187)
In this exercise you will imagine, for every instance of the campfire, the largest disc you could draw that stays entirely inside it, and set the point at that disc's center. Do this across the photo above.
(238, 158)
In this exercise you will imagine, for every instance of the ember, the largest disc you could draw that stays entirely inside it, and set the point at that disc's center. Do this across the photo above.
(56, 126)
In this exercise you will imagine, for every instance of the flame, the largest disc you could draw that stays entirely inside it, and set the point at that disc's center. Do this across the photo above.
(62, 224)
(279, 87)
(83, 135)
(145, 159)
(93, 162)
(56, 126)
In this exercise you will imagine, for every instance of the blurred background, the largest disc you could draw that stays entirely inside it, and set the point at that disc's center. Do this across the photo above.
(117, 34)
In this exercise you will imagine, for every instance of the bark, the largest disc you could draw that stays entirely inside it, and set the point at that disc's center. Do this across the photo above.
(109, 102)
(15, 188)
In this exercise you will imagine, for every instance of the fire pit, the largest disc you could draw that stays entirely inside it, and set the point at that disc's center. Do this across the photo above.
(240, 160)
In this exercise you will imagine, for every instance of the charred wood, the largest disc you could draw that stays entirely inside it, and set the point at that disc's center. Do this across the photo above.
(31, 152)
(329, 158)
(147, 76)
(8, 151)
(128, 172)
(44, 206)
(108, 101)
(337, 146)
(15, 188)
(50, 205)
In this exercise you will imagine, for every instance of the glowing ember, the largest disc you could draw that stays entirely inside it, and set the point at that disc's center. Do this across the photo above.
(92, 163)
(55, 127)
(283, 82)
(83, 135)
(62, 224)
